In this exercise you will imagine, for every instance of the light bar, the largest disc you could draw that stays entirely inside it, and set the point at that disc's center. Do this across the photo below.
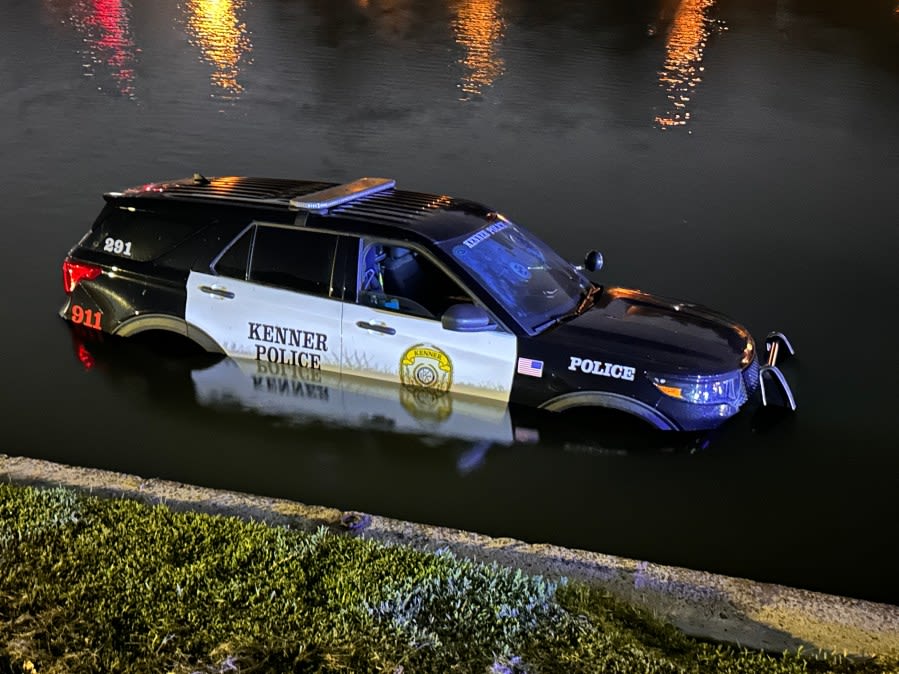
(340, 194)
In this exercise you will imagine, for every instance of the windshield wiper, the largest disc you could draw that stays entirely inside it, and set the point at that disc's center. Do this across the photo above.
(587, 299)
(585, 302)
(547, 324)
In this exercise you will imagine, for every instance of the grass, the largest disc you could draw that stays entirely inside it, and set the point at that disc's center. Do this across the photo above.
(113, 585)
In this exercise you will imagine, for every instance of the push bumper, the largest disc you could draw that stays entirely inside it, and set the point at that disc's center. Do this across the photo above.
(771, 379)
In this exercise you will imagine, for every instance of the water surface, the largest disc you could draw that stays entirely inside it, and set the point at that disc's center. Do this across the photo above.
(739, 154)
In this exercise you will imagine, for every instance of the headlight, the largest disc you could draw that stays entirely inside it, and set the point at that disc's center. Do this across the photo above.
(748, 353)
(703, 390)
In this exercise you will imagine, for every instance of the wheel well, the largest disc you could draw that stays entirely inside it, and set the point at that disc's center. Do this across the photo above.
(149, 325)
(611, 401)
(166, 342)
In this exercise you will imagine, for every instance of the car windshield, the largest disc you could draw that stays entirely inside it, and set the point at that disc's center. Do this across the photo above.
(523, 274)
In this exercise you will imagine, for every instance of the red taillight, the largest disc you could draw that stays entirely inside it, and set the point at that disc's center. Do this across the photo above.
(74, 273)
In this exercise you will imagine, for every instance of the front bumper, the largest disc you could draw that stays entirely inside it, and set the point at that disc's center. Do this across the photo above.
(771, 378)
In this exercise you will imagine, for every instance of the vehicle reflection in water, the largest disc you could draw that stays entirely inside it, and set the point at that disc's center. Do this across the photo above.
(105, 29)
(294, 394)
(478, 28)
(685, 46)
(282, 396)
(216, 28)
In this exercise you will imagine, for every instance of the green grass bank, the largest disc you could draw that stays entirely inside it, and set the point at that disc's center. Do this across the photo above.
(99, 584)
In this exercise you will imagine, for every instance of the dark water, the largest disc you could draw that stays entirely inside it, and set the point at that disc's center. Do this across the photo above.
(740, 154)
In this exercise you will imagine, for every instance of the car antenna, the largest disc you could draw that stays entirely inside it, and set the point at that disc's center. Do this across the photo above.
(200, 179)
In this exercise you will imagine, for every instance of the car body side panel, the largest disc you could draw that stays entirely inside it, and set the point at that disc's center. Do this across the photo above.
(573, 376)
(558, 377)
(119, 295)
(265, 323)
(420, 352)
(611, 401)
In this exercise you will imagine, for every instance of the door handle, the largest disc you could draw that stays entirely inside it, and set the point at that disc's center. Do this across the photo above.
(386, 329)
(217, 291)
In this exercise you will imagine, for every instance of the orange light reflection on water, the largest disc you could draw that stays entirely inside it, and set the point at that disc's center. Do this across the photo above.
(684, 52)
(478, 27)
(215, 27)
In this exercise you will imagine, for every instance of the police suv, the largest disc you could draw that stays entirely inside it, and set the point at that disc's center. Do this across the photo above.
(428, 291)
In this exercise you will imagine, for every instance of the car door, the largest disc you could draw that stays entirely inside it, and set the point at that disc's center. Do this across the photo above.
(269, 297)
(393, 330)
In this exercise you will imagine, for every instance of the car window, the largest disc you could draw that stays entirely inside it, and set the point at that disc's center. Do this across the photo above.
(233, 262)
(519, 270)
(140, 235)
(402, 279)
(294, 259)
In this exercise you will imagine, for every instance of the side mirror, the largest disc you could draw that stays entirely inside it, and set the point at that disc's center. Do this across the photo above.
(593, 261)
(467, 318)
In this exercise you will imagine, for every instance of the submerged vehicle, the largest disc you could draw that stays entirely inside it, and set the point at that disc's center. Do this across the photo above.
(177, 381)
(426, 291)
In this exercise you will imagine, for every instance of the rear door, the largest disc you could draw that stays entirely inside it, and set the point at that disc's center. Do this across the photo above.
(393, 330)
(270, 297)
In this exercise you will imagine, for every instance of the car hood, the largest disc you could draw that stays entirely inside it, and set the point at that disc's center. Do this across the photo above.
(654, 332)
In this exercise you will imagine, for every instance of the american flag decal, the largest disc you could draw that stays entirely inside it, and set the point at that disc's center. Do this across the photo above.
(530, 367)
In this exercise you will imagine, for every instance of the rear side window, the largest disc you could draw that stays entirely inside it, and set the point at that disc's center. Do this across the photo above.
(294, 259)
(138, 235)
(233, 261)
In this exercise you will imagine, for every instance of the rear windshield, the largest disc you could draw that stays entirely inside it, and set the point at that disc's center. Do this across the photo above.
(138, 235)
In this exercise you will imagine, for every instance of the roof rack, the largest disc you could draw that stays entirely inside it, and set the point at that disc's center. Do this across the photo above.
(327, 198)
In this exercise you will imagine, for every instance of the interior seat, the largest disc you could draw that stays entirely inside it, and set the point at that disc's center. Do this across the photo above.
(402, 274)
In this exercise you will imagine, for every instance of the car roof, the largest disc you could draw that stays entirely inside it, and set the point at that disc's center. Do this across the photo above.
(365, 206)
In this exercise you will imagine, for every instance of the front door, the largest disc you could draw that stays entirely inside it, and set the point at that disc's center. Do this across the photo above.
(269, 298)
(393, 331)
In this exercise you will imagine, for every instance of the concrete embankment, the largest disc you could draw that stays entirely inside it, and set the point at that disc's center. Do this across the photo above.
(755, 615)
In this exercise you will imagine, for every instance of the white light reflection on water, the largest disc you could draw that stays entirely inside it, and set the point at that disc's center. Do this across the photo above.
(216, 28)
(684, 52)
(478, 27)
(104, 26)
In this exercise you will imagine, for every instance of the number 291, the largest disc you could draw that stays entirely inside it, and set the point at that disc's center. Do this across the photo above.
(117, 246)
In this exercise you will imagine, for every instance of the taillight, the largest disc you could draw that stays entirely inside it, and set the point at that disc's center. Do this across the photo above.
(74, 273)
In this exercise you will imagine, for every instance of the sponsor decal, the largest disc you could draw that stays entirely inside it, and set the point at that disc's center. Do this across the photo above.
(602, 369)
(530, 367)
(290, 346)
(426, 366)
(86, 317)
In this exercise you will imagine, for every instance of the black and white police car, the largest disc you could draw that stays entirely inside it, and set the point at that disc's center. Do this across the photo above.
(425, 290)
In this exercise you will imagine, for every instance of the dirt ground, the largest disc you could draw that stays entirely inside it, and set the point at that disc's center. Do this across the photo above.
(754, 615)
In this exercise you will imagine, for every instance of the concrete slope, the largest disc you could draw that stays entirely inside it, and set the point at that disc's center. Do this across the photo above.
(733, 610)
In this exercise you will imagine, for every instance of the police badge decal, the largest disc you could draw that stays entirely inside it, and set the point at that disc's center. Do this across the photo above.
(426, 366)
